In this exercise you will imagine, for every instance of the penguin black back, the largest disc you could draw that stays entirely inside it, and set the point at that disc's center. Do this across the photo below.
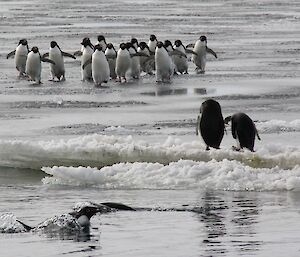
(211, 124)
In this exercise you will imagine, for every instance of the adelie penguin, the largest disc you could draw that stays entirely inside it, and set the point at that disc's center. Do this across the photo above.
(243, 130)
(34, 65)
(100, 66)
(20, 54)
(57, 55)
(102, 42)
(76, 221)
(200, 50)
(210, 124)
(111, 56)
(147, 65)
(87, 51)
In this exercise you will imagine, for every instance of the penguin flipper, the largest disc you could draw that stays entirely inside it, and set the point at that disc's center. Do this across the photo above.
(28, 228)
(118, 206)
(77, 53)
(190, 45)
(178, 53)
(139, 54)
(68, 55)
(197, 125)
(11, 54)
(43, 59)
(45, 55)
(211, 52)
(189, 51)
(89, 61)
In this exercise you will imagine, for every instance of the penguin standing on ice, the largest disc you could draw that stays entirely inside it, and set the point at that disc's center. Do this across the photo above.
(111, 56)
(57, 55)
(210, 125)
(163, 64)
(123, 62)
(135, 68)
(20, 53)
(87, 51)
(100, 66)
(243, 130)
(146, 64)
(34, 66)
(152, 43)
(200, 48)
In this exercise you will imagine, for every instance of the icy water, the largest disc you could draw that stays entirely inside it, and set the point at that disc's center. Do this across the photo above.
(135, 143)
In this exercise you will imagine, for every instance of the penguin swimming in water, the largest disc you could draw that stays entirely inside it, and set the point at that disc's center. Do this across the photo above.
(210, 125)
(100, 66)
(200, 48)
(34, 66)
(111, 56)
(76, 221)
(57, 55)
(20, 53)
(87, 51)
(243, 130)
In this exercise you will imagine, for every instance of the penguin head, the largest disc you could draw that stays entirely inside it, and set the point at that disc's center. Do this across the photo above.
(110, 46)
(101, 38)
(168, 45)
(177, 43)
(98, 47)
(153, 38)
(23, 42)
(134, 42)
(203, 38)
(35, 49)
(129, 46)
(227, 120)
(123, 46)
(86, 42)
(88, 211)
(143, 45)
(160, 44)
(53, 44)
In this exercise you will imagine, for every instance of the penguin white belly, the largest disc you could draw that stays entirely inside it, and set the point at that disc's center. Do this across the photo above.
(86, 73)
(34, 67)
(57, 69)
(181, 62)
(111, 59)
(100, 68)
(20, 58)
(200, 58)
(123, 63)
(163, 66)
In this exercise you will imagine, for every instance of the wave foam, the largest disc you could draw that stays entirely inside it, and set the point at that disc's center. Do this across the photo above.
(184, 174)
(100, 151)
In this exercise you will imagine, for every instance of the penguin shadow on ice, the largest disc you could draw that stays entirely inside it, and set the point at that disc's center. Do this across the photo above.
(243, 130)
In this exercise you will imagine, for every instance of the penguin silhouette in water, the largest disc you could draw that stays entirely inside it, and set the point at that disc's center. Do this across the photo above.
(210, 124)
(77, 220)
(243, 130)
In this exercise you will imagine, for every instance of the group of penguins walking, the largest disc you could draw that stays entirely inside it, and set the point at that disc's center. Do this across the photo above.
(211, 127)
(101, 62)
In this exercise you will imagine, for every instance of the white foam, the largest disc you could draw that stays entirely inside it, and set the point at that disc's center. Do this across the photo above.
(183, 174)
(9, 224)
(276, 126)
(99, 151)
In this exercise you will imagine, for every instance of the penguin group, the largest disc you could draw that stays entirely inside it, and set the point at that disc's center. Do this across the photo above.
(211, 126)
(102, 62)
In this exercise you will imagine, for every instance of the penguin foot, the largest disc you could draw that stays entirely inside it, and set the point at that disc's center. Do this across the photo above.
(207, 148)
(234, 148)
